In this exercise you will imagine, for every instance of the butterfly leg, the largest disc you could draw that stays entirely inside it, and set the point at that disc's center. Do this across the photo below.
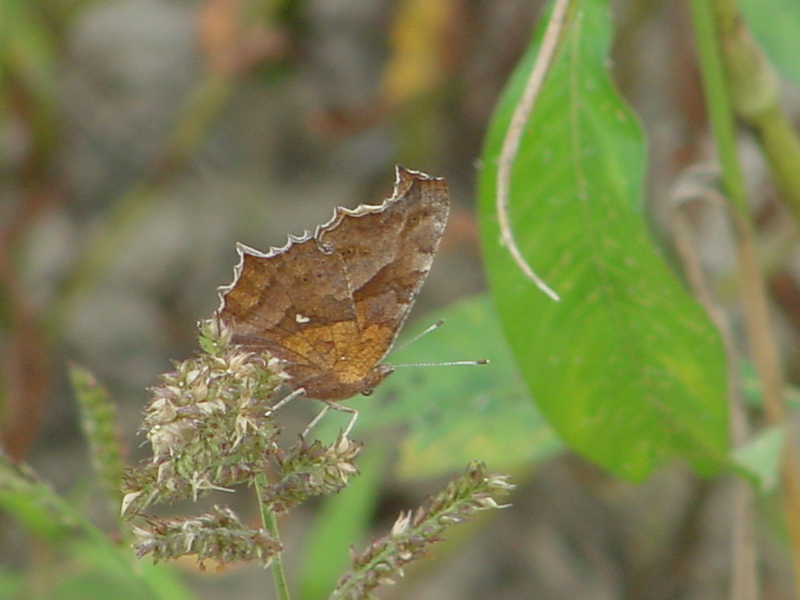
(284, 401)
(332, 405)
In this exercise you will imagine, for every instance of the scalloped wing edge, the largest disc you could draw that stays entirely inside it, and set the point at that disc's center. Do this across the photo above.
(404, 179)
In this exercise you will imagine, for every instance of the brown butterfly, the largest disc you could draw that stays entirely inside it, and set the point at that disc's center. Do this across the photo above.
(330, 305)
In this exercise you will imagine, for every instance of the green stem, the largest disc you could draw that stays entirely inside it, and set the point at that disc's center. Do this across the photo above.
(782, 149)
(754, 88)
(270, 523)
(718, 103)
(711, 23)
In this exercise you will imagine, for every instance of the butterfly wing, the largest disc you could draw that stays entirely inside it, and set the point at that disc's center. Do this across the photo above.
(331, 305)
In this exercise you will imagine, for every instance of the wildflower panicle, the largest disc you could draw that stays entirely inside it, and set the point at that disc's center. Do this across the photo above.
(415, 531)
(217, 535)
(211, 425)
(208, 423)
(311, 470)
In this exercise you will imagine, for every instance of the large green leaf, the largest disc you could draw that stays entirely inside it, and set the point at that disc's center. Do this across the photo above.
(626, 367)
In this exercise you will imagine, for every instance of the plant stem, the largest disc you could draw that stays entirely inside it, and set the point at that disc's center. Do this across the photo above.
(761, 339)
(270, 522)
(718, 104)
(754, 90)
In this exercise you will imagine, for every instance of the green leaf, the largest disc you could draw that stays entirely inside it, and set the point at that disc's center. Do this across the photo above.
(760, 458)
(32, 503)
(96, 574)
(775, 25)
(11, 584)
(94, 566)
(627, 367)
(456, 414)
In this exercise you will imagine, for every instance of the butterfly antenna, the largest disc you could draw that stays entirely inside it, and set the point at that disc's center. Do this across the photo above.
(430, 328)
(435, 326)
(453, 363)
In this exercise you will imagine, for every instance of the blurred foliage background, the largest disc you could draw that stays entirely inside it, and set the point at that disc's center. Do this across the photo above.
(140, 139)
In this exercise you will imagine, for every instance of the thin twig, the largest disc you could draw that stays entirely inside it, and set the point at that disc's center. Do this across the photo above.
(519, 119)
